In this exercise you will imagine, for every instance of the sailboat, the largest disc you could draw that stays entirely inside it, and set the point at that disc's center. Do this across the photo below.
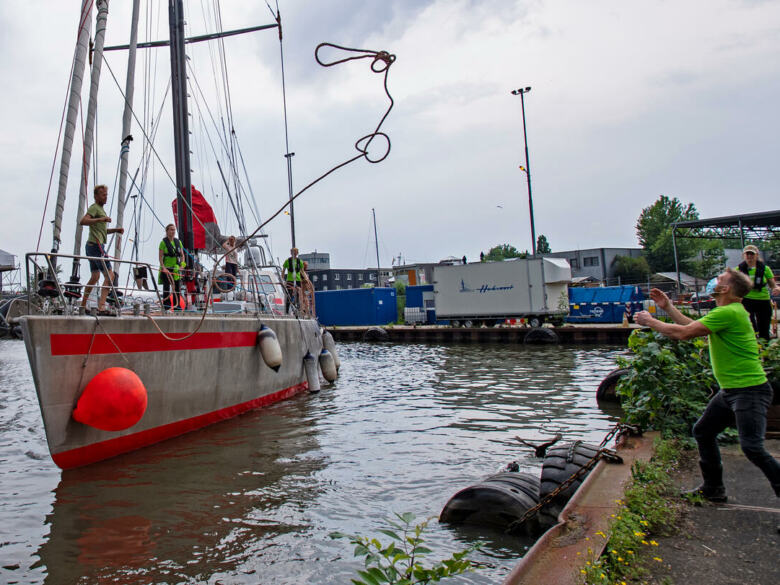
(110, 385)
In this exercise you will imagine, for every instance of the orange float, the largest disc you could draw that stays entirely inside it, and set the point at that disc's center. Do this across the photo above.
(114, 400)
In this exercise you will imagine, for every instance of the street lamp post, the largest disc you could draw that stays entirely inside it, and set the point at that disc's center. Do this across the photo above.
(521, 92)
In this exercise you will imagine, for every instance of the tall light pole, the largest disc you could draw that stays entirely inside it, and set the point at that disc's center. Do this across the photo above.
(521, 92)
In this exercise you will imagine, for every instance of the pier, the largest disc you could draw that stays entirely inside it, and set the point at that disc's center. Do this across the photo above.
(574, 335)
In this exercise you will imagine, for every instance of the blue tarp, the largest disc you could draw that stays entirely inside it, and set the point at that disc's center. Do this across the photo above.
(604, 304)
(357, 306)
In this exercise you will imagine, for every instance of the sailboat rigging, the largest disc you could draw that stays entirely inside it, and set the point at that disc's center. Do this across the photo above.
(177, 372)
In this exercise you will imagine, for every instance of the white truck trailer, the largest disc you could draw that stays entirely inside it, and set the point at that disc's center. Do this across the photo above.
(471, 295)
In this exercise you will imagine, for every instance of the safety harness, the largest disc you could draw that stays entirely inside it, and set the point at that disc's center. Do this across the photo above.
(758, 279)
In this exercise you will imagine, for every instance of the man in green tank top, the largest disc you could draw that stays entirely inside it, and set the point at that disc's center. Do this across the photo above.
(745, 394)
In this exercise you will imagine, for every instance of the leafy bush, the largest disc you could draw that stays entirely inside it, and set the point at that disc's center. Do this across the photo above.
(400, 562)
(668, 383)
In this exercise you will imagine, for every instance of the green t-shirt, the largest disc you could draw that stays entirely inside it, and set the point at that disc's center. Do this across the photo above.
(763, 294)
(98, 232)
(733, 347)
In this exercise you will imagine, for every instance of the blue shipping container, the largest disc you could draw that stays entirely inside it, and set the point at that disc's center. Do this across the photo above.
(356, 306)
(604, 304)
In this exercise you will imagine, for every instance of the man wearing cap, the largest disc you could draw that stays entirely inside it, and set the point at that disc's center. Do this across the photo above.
(745, 393)
(757, 301)
(292, 274)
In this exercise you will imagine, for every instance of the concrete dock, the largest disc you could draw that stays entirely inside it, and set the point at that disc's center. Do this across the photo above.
(570, 334)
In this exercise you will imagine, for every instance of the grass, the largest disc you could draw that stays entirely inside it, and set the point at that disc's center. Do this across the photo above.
(649, 507)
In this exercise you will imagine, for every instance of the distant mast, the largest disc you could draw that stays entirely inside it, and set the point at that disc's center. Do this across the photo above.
(376, 241)
(181, 125)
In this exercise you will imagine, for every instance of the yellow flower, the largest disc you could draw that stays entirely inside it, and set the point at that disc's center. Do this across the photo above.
(630, 552)
(600, 533)
(654, 543)
(644, 522)
(587, 563)
(645, 542)
(620, 559)
(614, 552)
(583, 571)
(659, 559)
(637, 533)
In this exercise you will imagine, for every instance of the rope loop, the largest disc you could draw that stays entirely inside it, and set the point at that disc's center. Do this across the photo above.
(363, 144)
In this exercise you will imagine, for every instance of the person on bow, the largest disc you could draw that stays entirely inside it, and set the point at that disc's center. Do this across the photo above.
(292, 274)
(171, 260)
(97, 220)
(758, 302)
(745, 394)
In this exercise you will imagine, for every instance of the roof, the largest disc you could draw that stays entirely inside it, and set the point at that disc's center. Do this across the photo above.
(686, 279)
(754, 226)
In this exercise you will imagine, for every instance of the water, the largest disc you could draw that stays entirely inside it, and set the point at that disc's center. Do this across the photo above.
(254, 499)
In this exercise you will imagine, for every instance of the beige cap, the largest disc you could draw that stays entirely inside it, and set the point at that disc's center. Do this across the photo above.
(750, 248)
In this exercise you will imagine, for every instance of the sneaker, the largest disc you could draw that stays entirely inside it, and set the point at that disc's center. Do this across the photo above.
(712, 494)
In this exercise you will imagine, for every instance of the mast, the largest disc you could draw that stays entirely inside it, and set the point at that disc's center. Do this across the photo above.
(376, 241)
(77, 76)
(89, 130)
(126, 125)
(180, 125)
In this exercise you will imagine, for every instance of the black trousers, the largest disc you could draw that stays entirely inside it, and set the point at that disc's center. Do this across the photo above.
(760, 315)
(168, 299)
(747, 408)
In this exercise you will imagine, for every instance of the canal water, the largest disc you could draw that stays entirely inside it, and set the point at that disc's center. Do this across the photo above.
(253, 500)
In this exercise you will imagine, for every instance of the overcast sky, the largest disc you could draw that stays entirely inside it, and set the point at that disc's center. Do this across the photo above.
(629, 100)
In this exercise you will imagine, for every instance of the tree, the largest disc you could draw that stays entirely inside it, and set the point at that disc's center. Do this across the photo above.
(631, 269)
(542, 245)
(504, 251)
(654, 231)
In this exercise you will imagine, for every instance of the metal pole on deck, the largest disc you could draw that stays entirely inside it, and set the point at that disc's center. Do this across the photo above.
(521, 92)
(376, 240)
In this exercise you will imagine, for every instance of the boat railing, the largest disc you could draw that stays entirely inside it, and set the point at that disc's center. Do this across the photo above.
(42, 269)
(42, 278)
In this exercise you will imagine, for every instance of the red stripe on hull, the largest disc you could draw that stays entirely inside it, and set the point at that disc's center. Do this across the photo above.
(85, 343)
(113, 447)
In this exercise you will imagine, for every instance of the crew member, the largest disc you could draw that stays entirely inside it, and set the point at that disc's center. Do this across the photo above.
(744, 395)
(757, 301)
(98, 221)
(292, 271)
(171, 259)
(231, 259)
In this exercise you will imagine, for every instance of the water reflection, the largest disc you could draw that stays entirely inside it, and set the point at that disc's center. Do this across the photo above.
(177, 511)
(253, 500)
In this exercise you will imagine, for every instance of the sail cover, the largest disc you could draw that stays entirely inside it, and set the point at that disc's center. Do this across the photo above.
(205, 230)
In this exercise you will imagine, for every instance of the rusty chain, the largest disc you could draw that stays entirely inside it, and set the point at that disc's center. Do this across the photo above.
(608, 455)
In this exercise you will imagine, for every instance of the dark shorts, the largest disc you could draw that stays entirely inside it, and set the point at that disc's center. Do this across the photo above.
(95, 251)
(231, 268)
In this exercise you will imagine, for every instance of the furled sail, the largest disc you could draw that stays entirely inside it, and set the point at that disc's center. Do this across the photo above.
(205, 230)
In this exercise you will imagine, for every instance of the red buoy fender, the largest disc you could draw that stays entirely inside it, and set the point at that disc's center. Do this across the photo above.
(114, 400)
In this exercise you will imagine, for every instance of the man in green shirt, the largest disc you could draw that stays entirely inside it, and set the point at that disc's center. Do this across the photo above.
(98, 221)
(745, 394)
(758, 302)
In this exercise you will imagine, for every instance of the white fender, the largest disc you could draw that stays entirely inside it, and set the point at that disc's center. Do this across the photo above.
(269, 348)
(329, 344)
(312, 375)
(328, 366)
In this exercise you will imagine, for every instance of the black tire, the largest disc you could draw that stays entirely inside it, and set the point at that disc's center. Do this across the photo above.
(375, 334)
(606, 390)
(16, 331)
(560, 463)
(496, 501)
(541, 335)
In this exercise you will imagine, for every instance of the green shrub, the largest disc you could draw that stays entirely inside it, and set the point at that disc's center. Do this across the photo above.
(668, 383)
(401, 561)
